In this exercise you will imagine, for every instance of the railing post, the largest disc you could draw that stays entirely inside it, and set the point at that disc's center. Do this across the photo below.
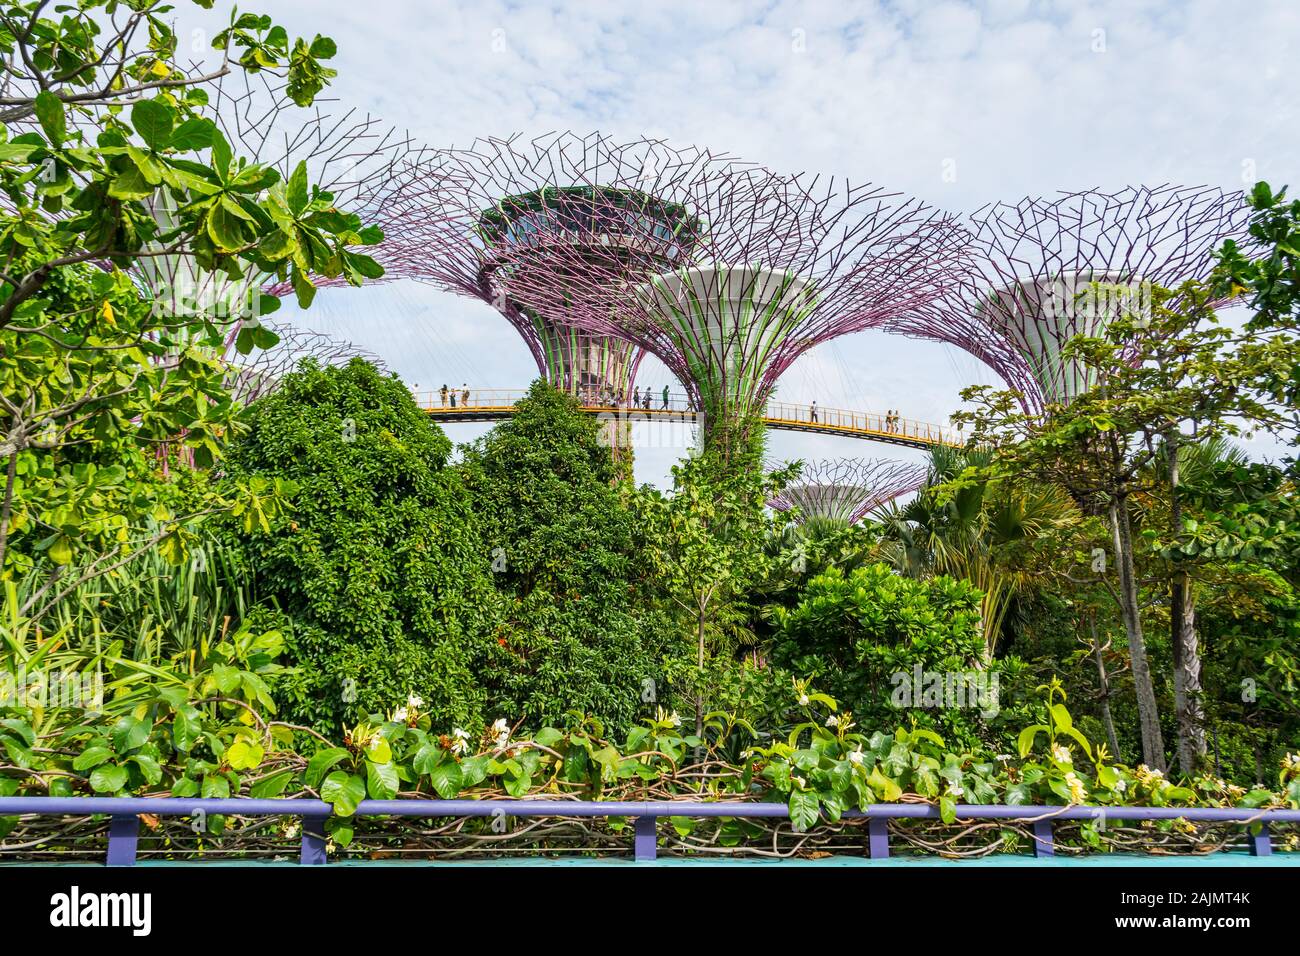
(1259, 843)
(123, 835)
(1043, 842)
(878, 837)
(313, 841)
(644, 849)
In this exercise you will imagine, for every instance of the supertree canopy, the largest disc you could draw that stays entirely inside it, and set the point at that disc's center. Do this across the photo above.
(847, 489)
(353, 157)
(762, 267)
(1044, 271)
(259, 374)
(506, 216)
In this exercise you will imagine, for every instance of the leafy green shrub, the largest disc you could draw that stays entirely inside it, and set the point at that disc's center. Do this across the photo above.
(877, 641)
(580, 630)
(379, 567)
(212, 733)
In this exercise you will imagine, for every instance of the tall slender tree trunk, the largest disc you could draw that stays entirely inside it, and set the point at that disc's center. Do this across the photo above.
(1187, 675)
(11, 471)
(1153, 745)
(699, 689)
(1103, 683)
(1183, 640)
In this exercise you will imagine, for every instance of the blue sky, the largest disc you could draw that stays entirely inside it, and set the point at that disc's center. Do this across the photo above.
(959, 103)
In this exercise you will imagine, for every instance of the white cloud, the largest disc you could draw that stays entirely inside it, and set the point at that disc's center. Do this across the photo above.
(1023, 96)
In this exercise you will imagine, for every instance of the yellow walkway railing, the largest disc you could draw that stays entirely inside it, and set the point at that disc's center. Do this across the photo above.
(486, 404)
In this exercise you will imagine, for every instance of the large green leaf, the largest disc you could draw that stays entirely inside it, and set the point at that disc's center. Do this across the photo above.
(344, 790)
(382, 782)
(108, 779)
(446, 779)
(129, 733)
(153, 120)
(193, 134)
(320, 763)
(50, 114)
(225, 229)
(296, 193)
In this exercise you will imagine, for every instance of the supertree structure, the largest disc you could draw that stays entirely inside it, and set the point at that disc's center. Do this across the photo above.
(1043, 271)
(774, 264)
(496, 215)
(259, 374)
(848, 489)
(353, 156)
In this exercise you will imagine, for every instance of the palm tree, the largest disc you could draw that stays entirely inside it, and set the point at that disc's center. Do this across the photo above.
(971, 530)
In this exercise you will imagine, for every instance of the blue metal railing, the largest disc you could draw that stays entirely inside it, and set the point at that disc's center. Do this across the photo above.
(124, 814)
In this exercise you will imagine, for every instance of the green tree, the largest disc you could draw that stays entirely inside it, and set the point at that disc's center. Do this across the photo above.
(100, 127)
(1268, 270)
(380, 566)
(1165, 375)
(706, 543)
(963, 525)
(90, 420)
(853, 634)
(581, 631)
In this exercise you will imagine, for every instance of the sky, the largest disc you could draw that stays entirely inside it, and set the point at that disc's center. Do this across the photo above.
(959, 103)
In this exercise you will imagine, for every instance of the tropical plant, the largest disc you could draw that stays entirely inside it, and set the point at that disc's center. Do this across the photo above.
(380, 569)
(967, 527)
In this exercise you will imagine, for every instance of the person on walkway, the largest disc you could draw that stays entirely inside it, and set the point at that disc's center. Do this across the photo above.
(665, 398)
(636, 396)
(453, 399)
(464, 394)
(443, 393)
(645, 399)
(812, 413)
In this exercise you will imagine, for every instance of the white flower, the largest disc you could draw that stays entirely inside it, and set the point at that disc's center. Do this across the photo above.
(832, 721)
(1004, 757)
(1152, 778)
(1121, 785)
(501, 730)
(400, 715)
(800, 780)
(803, 700)
(1060, 754)
(460, 741)
(663, 717)
(414, 702)
(1078, 792)
(956, 791)
(855, 756)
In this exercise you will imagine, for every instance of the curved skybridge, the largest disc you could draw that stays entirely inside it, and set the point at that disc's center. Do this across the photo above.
(493, 404)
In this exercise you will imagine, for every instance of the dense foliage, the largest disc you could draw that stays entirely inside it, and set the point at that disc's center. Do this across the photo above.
(316, 595)
(378, 565)
(569, 557)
